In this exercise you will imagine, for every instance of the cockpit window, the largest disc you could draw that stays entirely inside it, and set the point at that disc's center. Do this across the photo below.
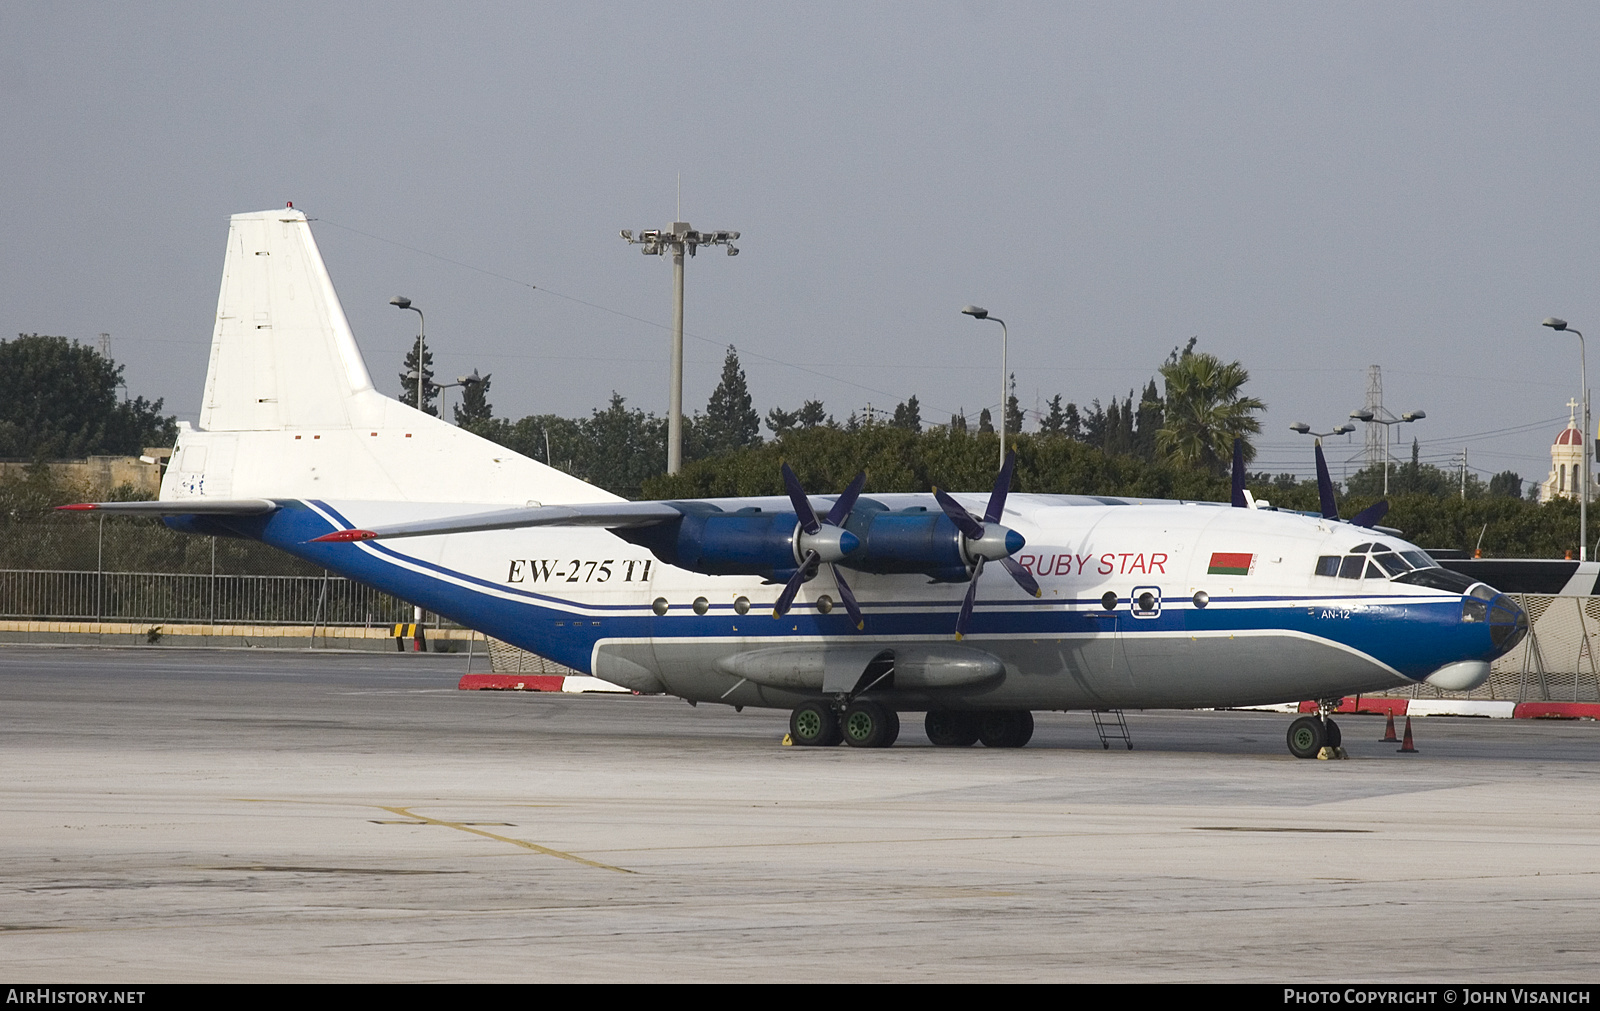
(1374, 560)
(1392, 563)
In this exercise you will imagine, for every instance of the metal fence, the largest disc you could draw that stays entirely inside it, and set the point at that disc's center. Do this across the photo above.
(181, 598)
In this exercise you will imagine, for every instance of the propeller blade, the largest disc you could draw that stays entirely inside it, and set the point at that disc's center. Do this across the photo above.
(958, 515)
(966, 605)
(1330, 509)
(802, 505)
(1002, 488)
(847, 501)
(1238, 475)
(786, 598)
(1023, 577)
(1370, 516)
(849, 599)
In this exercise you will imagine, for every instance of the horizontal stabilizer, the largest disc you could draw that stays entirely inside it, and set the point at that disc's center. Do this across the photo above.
(612, 515)
(181, 507)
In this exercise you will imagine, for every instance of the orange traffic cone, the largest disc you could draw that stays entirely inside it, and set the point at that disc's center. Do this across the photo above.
(1388, 732)
(1407, 748)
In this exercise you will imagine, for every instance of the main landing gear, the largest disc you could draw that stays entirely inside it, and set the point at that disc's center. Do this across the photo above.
(863, 724)
(996, 729)
(1309, 736)
(867, 724)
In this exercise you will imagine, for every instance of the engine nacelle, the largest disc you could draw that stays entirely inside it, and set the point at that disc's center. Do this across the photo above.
(907, 540)
(771, 544)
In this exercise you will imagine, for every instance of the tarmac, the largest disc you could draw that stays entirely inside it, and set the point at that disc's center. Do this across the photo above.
(253, 815)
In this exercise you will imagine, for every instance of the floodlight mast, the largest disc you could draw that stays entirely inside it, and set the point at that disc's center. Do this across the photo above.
(677, 240)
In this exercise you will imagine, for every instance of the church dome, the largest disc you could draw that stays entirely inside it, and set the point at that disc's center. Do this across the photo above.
(1569, 436)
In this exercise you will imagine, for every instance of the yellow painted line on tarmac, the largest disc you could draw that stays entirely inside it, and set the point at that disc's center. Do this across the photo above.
(535, 847)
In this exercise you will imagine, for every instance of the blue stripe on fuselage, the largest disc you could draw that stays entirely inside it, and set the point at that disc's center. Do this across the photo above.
(1415, 637)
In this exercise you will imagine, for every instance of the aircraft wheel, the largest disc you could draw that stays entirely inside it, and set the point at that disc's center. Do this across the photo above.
(1306, 737)
(1005, 729)
(1335, 739)
(813, 724)
(949, 729)
(870, 725)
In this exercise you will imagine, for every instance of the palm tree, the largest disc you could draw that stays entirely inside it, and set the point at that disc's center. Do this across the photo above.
(1205, 412)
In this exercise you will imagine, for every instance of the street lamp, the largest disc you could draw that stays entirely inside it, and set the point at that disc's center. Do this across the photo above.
(978, 313)
(1583, 496)
(677, 240)
(401, 302)
(1305, 429)
(1372, 419)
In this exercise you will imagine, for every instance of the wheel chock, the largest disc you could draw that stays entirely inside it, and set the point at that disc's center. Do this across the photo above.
(788, 742)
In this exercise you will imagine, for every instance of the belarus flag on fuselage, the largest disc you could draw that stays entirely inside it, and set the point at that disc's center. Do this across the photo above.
(1230, 563)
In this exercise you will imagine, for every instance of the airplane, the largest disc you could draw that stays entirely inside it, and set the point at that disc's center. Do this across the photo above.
(846, 609)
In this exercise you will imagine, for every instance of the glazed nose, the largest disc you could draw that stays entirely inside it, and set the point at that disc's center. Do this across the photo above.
(1508, 623)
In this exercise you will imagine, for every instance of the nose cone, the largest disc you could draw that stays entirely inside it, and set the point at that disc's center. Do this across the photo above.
(1014, 542)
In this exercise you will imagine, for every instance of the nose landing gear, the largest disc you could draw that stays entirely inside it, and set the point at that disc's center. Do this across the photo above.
(1316, 736)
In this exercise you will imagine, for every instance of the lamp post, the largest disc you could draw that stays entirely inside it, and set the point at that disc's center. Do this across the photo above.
(1305, 429)
(401, 302)
(1372, 419)
(979, 313)
(677, 240)
(1583, 496)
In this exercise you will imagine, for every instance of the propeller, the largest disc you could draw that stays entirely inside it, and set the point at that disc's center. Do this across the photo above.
(821, 541)
(1370, 516)
(1239, 501)
(986, 540)
(1367, 517)
(1330, 509)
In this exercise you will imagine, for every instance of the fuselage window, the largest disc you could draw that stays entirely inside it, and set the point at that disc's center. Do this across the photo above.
(1328, 565)
(1373, 572)
(1351, 567)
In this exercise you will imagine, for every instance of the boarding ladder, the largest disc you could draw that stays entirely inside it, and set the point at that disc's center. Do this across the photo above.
(1111, 726)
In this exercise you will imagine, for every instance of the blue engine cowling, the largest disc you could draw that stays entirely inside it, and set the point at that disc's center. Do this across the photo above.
(907, 540)
(717, 543)
(754, 542)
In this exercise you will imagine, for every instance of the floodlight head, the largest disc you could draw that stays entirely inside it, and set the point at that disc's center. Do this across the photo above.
(627, 233)
(1344, 429)
(400, 301)
(975, 312)
(1300, 427)
(1554, 324)
(1362, 415)
(1414, 416)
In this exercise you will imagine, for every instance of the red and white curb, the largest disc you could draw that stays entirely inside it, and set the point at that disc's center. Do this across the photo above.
(535, 683)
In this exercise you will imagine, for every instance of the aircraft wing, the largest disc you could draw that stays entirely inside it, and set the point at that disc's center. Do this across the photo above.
(612, 515)
(181, 507)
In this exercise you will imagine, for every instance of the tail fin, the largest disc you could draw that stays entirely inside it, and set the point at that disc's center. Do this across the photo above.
(290, 410)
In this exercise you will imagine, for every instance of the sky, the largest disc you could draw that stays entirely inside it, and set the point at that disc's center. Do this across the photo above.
(1309, 189)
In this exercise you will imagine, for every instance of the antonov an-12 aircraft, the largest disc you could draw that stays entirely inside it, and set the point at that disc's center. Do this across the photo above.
(846, 609)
